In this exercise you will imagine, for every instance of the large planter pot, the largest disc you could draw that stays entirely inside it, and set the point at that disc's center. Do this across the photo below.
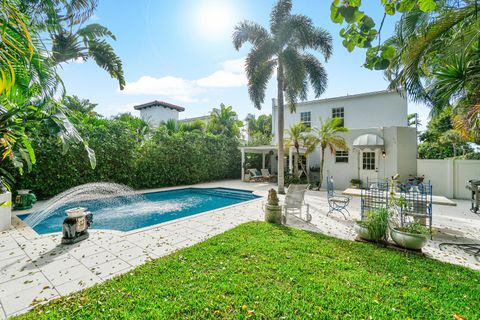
(363, 233)
(406, 240)
(273, 214)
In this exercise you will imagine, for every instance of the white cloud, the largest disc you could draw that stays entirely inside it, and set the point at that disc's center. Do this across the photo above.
(223, 79)
(231, 75)
(173, 87)
(234, 66)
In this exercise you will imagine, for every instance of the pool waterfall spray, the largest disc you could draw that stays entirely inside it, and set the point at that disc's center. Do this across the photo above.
(112, 193)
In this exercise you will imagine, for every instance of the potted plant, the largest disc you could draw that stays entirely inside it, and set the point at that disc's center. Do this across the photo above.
(356, 183)
(375, 226)
(411, 236)
(273, 211)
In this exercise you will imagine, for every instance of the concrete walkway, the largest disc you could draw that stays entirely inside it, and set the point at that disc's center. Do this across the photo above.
(35, 268)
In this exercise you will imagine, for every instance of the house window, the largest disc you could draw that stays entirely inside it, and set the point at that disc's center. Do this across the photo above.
(339, 113)
(306, 118)
(368, 161)
(341, 157)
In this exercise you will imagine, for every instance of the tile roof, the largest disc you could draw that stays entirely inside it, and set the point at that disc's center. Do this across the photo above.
(159, 104)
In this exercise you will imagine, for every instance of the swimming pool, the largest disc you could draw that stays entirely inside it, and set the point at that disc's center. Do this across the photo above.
(129, 213)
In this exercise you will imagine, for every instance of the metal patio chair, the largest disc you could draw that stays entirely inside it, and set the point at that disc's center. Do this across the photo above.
(295, 203)
(374, 197)
(418, 204)
(336, 203)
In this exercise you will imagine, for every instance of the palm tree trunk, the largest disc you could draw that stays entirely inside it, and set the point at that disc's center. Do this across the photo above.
(303, 167)
(295, 166)
(281, 172)
(322, 161)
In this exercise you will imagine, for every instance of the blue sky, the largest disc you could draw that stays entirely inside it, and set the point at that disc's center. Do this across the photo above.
(181, 52)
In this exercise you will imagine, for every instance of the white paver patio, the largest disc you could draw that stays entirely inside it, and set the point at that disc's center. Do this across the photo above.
(35, 268)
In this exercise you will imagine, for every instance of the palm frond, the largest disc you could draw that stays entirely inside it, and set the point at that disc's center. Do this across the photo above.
(95, 30)
(259, 54)
(316, 74)
(258, 81)
(280, 12)
(248, 31)
(105, 57)
(305, 35)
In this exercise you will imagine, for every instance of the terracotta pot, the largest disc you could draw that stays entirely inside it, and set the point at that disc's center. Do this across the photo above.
(406, 240)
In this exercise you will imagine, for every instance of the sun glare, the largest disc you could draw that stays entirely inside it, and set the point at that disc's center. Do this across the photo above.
(215, 19)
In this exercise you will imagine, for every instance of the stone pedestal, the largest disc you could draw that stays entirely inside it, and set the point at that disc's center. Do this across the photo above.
(5, 210)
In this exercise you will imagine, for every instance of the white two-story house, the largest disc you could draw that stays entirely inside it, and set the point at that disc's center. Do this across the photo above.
(380, 142)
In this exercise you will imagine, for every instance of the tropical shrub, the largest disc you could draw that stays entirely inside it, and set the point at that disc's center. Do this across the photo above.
(186, 158)
(124, 155)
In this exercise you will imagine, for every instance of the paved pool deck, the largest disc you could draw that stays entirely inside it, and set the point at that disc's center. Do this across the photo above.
(37, 268)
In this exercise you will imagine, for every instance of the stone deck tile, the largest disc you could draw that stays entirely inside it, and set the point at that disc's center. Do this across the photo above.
(70, 274)
(105, 270)
(22, 300)
(77, 284)
(97, 259)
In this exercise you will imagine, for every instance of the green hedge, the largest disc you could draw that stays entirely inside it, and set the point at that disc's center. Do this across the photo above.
(124, 156)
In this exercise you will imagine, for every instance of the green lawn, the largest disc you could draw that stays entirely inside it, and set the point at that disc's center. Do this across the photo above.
(264, 271)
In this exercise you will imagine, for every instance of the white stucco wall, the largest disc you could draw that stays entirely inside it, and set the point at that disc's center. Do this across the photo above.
(449, 177)
(370, 110)
(400, 156)
(156, 114)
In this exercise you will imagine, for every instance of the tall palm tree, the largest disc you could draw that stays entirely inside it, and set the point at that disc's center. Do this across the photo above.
(327, 136)
(284, 47)
(224, 121)
(297, 137)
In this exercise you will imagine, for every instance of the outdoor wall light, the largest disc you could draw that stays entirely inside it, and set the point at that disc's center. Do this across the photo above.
(384, 154)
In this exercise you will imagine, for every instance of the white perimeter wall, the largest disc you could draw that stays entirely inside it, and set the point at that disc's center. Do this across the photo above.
(449, 177)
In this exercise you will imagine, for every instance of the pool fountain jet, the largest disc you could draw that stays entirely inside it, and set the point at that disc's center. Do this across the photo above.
(103, 192)
(75, 226)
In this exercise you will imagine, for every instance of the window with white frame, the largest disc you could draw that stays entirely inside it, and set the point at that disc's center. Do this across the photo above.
(306, 118)
(339, 113)
(368, 161)
(341, 156)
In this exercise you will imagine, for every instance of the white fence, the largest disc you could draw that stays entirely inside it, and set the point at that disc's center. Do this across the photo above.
(449, 177)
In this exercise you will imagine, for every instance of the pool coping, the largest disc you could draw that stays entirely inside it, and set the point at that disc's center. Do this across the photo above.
(30, 234)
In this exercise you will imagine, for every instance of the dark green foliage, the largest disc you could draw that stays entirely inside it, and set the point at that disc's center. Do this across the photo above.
(263, 271)
(186, 158)
(125, 156)
(431, 146)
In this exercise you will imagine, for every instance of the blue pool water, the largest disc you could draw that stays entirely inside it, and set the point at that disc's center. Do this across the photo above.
(125, 214)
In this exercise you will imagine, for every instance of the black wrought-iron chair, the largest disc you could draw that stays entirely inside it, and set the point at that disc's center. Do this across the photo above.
(336, 202)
